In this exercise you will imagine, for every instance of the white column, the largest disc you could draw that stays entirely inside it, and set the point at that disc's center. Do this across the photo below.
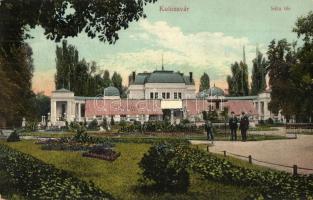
(53, 111)
(79, 112)
(266, 112)
(259, 109)
(172, 116)
(68, 111)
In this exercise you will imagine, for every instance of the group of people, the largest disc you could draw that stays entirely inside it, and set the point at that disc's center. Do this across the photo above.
(233, 126)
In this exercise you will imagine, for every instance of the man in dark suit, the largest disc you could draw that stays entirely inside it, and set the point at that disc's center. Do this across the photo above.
(233, 126)
(244, 126)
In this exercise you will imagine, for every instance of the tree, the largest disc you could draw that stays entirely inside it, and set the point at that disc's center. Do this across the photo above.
(238, 81)
(102, 19)
(106, 79)
(303, 70)
(41, 105)
(204, 82)
(282, 57)
(258, 74)
(67, 59)
(117, 81)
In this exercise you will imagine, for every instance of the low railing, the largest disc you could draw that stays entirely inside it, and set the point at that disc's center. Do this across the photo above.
(250, 159)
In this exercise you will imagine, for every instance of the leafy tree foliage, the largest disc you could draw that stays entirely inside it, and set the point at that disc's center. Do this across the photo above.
(258, 74)
(238, 82)
(204, 82)
(59, 19)
(79, 76)
(281, 58)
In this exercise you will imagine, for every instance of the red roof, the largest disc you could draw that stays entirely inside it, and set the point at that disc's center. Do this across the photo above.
(122, 107)
(239, 106)
(195, 106)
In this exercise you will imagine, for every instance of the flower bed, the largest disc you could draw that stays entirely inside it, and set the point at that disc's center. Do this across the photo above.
(110, 155)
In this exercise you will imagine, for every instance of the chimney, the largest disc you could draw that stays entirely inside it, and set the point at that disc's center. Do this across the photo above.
(134, 75)
(190, 77)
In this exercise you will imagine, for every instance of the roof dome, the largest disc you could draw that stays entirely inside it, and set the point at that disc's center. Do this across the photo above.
(212, 91)
(111, 91)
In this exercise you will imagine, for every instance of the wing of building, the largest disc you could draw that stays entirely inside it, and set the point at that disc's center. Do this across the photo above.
(157, 95)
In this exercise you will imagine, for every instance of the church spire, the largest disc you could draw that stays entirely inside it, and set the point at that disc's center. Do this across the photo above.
(162, 63)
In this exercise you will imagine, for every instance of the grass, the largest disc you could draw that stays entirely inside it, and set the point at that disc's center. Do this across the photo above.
(187, 136)
(120, 177)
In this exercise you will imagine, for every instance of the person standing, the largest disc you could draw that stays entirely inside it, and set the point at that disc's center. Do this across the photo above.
(244, 126)
(233, 125)
(209, 130)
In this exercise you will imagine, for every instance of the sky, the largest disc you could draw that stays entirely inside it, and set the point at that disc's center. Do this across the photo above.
(209, 37)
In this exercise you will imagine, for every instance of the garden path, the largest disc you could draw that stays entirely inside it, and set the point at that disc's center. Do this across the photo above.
(285, 152)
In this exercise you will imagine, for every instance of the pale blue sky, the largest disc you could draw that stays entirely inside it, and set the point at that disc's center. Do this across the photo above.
(208, 38)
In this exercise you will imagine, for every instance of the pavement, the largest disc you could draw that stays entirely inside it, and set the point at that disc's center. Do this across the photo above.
(287, 152)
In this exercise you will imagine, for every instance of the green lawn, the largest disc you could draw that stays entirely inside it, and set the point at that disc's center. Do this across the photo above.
(189, 136)
(121, 176)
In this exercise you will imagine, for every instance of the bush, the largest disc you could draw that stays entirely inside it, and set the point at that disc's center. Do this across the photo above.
(93, 125)
(161, 166)
(112, 122)
(31, 126)
(270, 121)
(104, 124)
(269, 184)
(38, 180)
(81, 135)
(14, 137)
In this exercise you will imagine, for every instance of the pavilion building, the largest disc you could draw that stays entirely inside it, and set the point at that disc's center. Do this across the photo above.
(157, 95)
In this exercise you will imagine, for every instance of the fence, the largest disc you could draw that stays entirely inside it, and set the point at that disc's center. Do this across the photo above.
(295, 128)
(294, 168)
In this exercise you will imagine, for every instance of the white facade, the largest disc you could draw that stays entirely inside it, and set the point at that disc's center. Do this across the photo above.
(261, 105)
(164, 85)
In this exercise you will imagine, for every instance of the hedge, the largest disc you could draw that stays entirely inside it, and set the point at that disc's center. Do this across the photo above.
(270, 184)
(38, 180)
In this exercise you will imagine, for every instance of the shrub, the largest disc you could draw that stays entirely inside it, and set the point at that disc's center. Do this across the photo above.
(81, 135)
(161, 166)
(93, 125)
(112, 122)
(14, 137)
(104, 123)
(31, 126)
(38, 180)
(73, 126)
(269, 184)
(270, 121)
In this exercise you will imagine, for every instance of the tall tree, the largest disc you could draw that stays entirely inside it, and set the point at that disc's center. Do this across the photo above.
(106, 79)
(258, 74)
(67, 59)
(102, 19)
(117, 81)
(282, 57)
(238, 81)
(204, 82)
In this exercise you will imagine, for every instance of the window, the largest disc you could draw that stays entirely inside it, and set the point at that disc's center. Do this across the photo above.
(156, 95)
(151, 95)
(179, 95)
(168, 95)
(163, 95)
(175, 95)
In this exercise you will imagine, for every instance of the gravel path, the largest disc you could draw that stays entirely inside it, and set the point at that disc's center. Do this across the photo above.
(286, 152)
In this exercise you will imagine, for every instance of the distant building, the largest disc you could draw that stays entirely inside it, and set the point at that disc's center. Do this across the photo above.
(161, 85)
(158, 95)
